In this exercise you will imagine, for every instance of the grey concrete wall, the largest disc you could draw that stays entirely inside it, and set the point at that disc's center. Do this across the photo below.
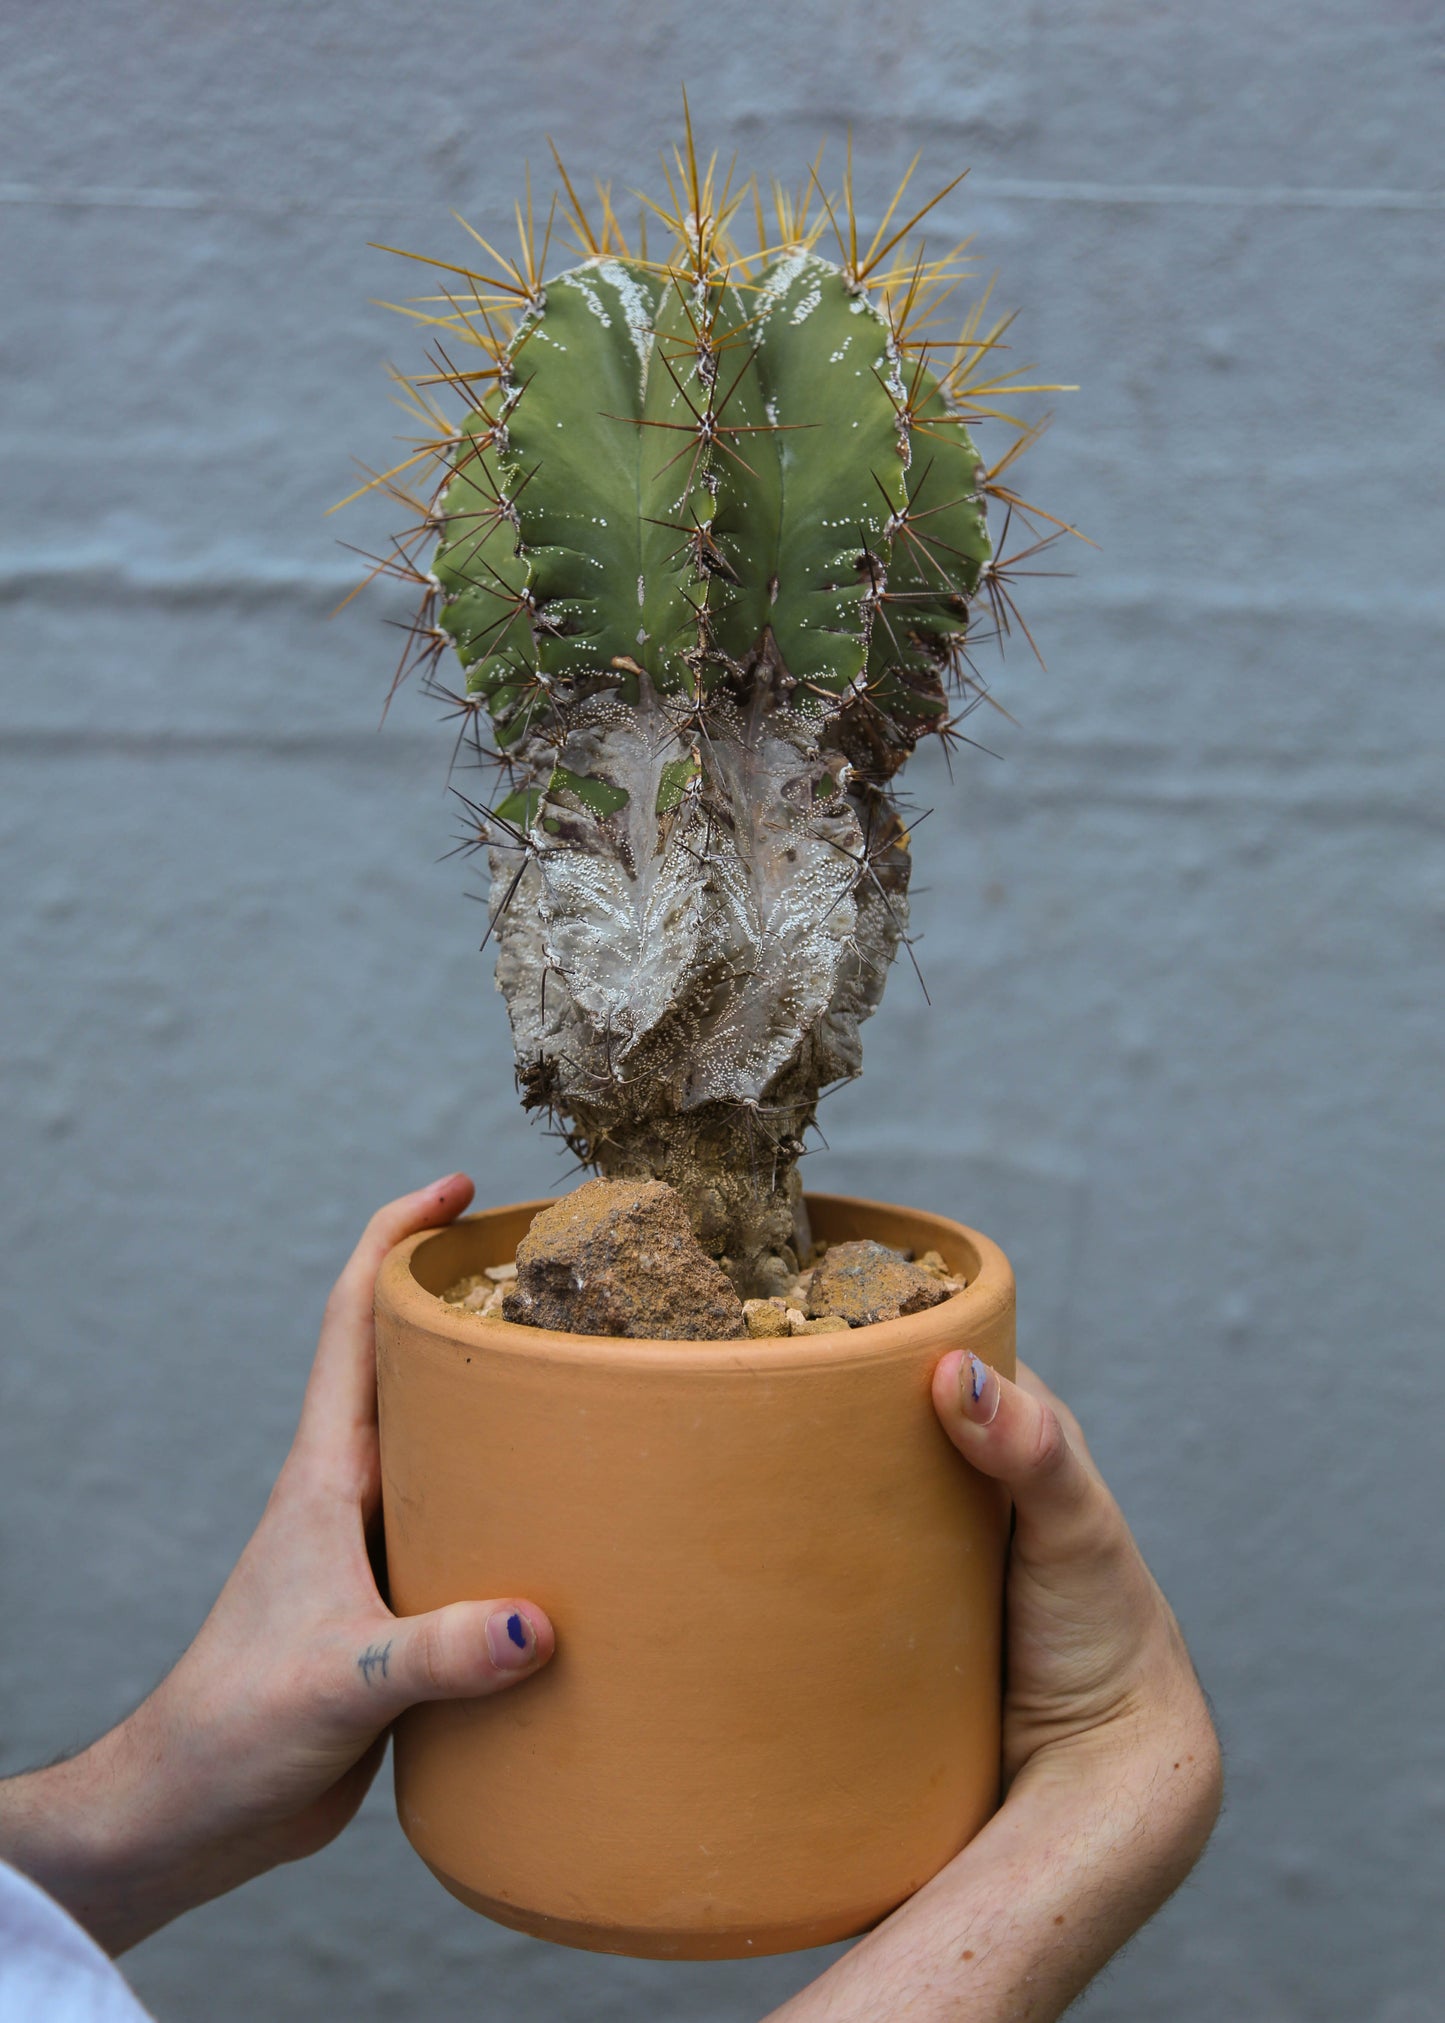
(1182, 937)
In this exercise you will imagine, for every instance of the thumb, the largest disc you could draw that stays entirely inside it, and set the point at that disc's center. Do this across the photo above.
(1020, 1434)
(460, 1652)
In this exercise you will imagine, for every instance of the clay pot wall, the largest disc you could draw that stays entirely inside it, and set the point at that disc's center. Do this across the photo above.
(774, 1707)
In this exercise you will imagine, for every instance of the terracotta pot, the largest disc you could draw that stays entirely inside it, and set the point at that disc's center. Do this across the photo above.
(773, 1712)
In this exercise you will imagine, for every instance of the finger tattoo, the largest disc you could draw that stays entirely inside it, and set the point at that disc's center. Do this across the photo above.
(375, 1658)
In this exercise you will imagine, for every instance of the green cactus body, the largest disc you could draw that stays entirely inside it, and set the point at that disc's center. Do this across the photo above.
(707, 542)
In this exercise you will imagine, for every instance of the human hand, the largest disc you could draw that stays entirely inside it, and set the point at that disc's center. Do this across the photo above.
(1111, 1768)
(1095, 1658)
(259, 1746)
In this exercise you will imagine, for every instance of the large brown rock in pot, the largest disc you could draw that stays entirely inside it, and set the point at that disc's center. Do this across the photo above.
(866, 1282)
(618, 1257)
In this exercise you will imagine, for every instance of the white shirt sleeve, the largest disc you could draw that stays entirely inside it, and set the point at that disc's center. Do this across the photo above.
(50, 1970)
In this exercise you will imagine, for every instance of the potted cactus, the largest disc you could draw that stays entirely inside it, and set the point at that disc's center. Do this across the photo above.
(707, 540)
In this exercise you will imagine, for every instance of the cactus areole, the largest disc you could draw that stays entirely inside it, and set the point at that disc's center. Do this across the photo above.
(707, 542)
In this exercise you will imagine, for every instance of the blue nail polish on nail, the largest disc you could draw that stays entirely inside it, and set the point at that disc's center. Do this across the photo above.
(977, 1381)
(517, 1631)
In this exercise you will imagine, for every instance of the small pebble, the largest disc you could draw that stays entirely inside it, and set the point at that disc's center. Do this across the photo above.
(765, 1318)
(825, 1324)
(477, 1294)
(501, 1274)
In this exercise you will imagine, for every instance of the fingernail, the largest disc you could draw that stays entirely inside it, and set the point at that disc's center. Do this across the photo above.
(510, 1639)
(978, 1390)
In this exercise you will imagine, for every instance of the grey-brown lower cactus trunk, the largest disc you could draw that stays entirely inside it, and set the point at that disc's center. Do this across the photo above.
(708, 538)
(682, 996)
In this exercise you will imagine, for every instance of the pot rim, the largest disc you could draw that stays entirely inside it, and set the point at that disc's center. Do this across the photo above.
(961, 1314)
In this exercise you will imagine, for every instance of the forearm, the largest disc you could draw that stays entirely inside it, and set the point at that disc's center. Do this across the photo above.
(1027, 1914)
(99, 1834)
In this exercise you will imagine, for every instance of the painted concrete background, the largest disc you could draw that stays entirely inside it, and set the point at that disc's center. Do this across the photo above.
(1182, 935)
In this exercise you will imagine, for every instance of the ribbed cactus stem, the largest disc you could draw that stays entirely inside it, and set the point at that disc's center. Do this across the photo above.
(708, 537)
